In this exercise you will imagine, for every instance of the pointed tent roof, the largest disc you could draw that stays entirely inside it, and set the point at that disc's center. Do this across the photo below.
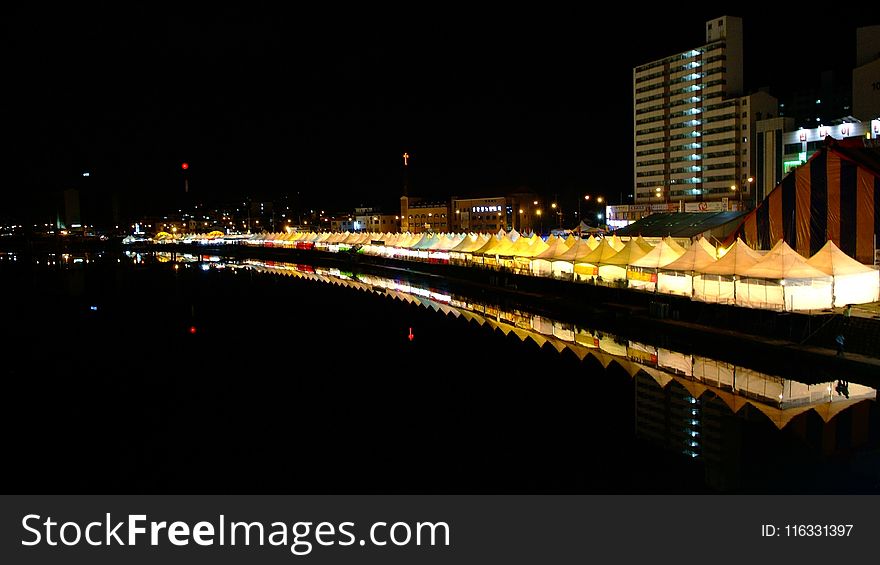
(576, 252)
(526, 247)
(416, 239)
(472, 242)
(503, 248)
(450, 242)
(707, 246)
(426, 242)
(615, 242)
(832, 261)
(738, 259)
(555, 249)
(490, 244)
(783, 262)
(600, 256)
(634, 250)
(663, 253)
(570, 240)
(592, 242)
(695, 259)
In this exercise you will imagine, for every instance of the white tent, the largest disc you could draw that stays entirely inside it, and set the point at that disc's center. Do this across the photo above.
(589, 264)
(642, 273)
(464, 250)
(715, 283)
(782, 280)
(614, 267)
(542, 264)
(707, 246)
(614, 241)
(565, 262)
(678, 277)
(853, 282)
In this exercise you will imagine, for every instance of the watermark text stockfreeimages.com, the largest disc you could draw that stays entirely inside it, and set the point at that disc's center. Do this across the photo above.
(300, 537)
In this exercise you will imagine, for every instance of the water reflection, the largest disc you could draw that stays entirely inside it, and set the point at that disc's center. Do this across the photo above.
(779, 398)
(700, 408)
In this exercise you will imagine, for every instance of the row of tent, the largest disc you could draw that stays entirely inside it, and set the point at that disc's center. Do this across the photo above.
(780, 279)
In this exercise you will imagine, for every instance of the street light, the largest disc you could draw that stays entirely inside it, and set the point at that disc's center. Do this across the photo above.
(587, 197)
(558, 213)
(750, 181)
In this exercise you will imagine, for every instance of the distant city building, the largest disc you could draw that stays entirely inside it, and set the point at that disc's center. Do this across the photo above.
(374, 220)
(481, 215)
(419, 216)
(813, 102)
(621, 215)
(693, 126)
(866, 75)
(769, 145)
(799, 145)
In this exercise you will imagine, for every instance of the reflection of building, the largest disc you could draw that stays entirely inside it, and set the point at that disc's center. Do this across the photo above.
(71, 216)
(669, 417)
(692, 124)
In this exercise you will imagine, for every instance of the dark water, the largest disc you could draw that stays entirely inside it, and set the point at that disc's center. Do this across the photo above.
(141, 374)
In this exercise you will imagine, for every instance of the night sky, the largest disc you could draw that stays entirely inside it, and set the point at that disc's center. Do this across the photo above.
(268, 103)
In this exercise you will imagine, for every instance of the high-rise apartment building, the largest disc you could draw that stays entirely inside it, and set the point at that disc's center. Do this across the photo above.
(693, 125)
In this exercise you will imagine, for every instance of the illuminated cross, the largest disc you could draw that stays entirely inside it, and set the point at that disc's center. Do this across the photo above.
(405, 158)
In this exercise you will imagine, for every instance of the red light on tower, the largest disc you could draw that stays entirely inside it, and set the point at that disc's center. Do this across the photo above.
(184, 166)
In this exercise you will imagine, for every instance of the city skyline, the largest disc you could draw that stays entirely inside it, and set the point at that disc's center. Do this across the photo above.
(280, 104)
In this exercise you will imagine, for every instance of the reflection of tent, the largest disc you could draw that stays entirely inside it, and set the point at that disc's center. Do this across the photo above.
(854, 283)
(834, 195)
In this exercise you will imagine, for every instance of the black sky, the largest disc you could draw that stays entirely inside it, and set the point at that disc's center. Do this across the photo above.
(267, 103)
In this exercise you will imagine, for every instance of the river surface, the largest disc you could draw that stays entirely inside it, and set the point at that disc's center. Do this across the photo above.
(178, 373)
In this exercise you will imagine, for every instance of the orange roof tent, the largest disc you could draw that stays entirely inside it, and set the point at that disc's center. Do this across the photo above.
(834, 196)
